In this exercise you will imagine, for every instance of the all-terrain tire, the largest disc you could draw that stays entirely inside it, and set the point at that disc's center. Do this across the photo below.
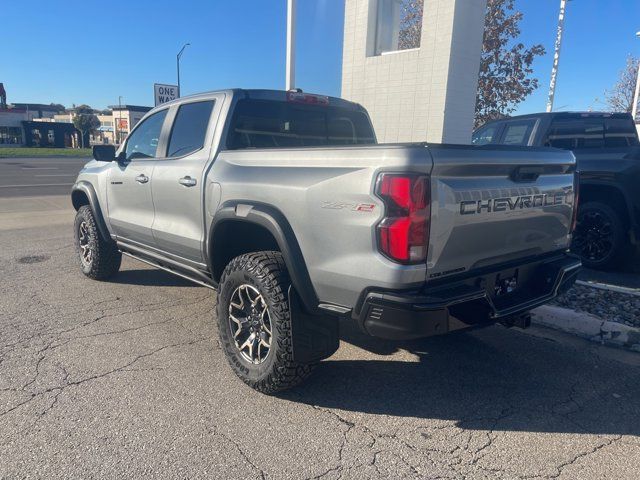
(600, 237)
(266, 272)
(105, 258)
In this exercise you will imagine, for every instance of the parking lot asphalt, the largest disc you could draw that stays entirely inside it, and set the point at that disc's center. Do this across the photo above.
(126, 378)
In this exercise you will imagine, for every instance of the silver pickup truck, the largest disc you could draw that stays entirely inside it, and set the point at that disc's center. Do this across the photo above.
(284, 203)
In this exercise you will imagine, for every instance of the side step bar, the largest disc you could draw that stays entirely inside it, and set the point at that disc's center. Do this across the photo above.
(167, 264)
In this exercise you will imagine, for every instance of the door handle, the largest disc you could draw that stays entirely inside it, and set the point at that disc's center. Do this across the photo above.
(188, 181)
(142, 178)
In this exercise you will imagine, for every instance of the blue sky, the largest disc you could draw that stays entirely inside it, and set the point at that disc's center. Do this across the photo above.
(76, 51)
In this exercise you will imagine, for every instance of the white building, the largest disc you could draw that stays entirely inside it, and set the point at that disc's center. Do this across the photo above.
(415, 69)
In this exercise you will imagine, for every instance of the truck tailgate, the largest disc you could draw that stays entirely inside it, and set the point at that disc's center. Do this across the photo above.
(495, 205)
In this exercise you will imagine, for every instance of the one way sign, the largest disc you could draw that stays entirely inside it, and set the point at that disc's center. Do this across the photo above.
(164, 93)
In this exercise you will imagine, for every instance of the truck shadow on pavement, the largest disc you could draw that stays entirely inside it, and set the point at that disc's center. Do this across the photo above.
(151, 277)
(490, 379)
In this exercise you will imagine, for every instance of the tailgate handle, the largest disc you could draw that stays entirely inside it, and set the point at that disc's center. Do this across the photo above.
(526, 174)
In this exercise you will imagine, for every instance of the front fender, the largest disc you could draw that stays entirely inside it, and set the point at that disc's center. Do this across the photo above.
(83, 189)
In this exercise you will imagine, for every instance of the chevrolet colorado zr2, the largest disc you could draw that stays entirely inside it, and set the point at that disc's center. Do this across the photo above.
(285, 204)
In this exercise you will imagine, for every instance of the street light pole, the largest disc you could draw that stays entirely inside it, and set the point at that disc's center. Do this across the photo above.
(118, 139)
(556, 56)
(634, 109)
(290, 76)
(178, 64)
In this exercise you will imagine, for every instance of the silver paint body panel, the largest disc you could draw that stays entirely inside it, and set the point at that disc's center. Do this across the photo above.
(316, 189)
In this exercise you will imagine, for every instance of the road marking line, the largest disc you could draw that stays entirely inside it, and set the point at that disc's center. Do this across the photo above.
(612, 288)
(40, 168)
(38, 185)
(57, 175)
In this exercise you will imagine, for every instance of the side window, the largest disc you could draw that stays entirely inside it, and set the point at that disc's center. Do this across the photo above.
(189, 128)
(143, 141)
(620, 132)
(518, 133)
(484, 136)
(575, 133)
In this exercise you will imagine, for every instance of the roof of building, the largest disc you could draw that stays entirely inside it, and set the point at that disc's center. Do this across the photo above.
(39, 106)
(132, 108)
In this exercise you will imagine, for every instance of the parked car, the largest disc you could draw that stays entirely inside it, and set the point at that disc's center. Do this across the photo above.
(284, 203)
(608, 156)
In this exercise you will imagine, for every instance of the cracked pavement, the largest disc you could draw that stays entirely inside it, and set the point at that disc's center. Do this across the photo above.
(126, 378)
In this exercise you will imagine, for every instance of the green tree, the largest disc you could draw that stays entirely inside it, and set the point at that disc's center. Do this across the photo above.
(86, 109)
(85, 122)
(505, 66)
(620, 98)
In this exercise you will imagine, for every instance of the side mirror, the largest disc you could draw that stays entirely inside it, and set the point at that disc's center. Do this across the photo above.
(104, 153)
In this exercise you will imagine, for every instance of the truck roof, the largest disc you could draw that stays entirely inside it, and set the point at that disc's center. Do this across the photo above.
(267, 94)
(562, 114)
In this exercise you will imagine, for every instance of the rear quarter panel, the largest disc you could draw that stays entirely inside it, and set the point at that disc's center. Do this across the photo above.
(319, 190)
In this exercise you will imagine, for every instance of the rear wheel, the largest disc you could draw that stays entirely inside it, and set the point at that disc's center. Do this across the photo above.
(99, 259)
(254, 322)
(600, 237)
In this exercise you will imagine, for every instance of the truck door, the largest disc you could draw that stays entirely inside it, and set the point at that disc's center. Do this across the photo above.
(178, 186)
(129, 199)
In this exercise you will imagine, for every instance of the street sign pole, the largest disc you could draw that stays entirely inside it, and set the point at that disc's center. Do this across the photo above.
(178, 64)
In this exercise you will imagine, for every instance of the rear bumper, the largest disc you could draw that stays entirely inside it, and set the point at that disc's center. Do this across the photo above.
(465, 302)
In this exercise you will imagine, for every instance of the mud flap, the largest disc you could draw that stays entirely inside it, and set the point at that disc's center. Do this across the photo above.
(314, 337)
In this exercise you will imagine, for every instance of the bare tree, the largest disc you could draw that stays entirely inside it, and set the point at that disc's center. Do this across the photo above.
(505, 67)
(620, 98)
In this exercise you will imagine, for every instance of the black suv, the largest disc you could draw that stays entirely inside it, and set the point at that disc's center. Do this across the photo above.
(608, 155)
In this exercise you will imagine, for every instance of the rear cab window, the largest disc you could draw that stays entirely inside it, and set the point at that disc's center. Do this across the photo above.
(592, 132)
(620, 132)
(258, 123)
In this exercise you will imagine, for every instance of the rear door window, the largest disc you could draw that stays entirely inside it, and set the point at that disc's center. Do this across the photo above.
(620, 132)
(189, 128)
(276, 124)
(518, 132)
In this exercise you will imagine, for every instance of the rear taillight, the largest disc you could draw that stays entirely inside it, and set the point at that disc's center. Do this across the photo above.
(403, 234)
(576, 197)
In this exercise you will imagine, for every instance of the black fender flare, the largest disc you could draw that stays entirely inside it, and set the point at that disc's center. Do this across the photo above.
(274, 221)
(90, 192)
(596, 183)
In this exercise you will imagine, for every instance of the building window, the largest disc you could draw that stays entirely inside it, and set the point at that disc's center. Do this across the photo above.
(398, 25)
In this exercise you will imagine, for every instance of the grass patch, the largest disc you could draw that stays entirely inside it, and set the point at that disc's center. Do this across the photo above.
(45, 152)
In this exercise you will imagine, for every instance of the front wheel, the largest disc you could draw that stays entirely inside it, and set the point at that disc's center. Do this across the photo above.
(600, 238)
(99, 259)
(254, 322)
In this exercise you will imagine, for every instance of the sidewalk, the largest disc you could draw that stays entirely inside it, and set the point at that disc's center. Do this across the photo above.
(587, 326)
(27, 212)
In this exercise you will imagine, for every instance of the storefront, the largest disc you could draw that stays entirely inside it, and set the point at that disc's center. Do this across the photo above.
(11, 136)
(52, 134)
(11, 131)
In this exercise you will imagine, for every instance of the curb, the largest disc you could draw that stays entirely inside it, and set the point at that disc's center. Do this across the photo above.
(587, 326)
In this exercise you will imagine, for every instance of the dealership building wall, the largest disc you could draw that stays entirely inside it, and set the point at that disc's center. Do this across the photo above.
(423, 93)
